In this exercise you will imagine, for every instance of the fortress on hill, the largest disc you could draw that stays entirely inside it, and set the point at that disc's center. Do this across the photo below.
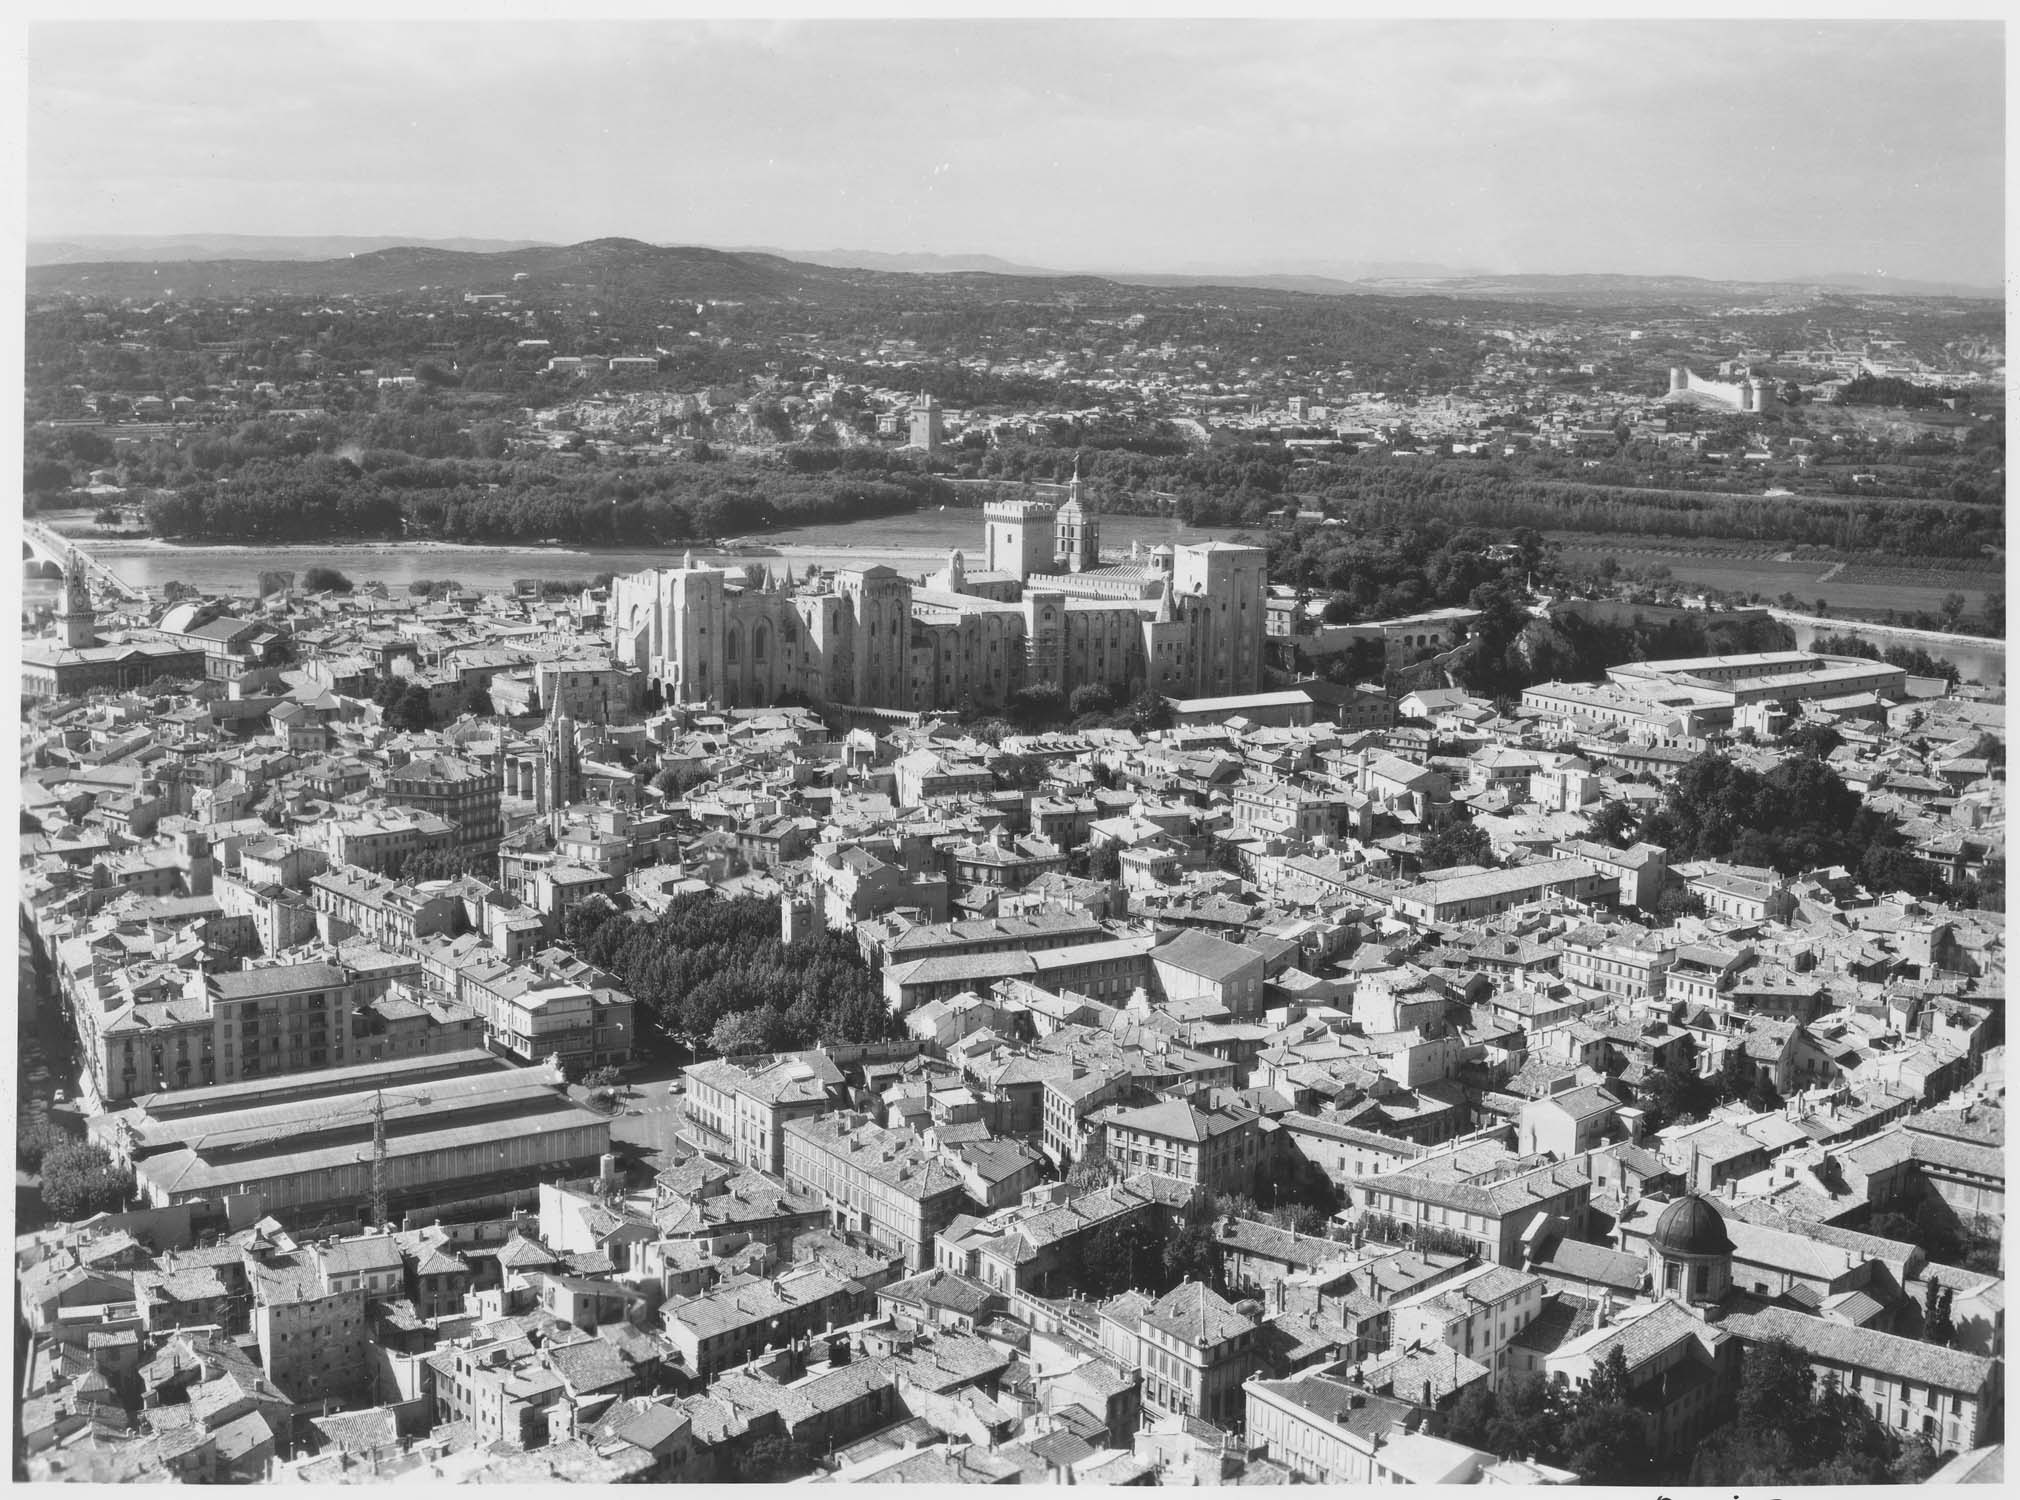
(1186, 621)
(1752, 393)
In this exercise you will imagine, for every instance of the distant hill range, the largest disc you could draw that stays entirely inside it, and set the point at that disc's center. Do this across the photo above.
(230, 266)
(86, 249)
(1594, 289)
(593, 266)
(1408, 279)
(1320, 276)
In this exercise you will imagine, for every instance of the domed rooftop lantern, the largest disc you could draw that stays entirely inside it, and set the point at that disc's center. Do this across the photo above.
(1690, 1252)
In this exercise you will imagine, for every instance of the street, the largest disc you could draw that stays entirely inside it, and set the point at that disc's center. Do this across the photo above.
(45, 1063)
(646, 1118)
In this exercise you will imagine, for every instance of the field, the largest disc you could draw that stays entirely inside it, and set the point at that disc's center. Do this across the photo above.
(1849, 584)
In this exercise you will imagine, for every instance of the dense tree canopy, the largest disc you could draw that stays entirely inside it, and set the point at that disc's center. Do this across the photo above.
(1458, 842)
(287, 485)
(80, 1179)
(1785, 1431)
(1798, 816)
(713, 973)
(1597, 1432)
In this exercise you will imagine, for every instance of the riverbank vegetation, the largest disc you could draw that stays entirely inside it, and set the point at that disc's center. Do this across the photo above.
(1236, 483)
(256, 495)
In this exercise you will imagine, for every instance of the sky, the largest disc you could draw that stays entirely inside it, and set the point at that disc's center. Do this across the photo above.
(1738, 150)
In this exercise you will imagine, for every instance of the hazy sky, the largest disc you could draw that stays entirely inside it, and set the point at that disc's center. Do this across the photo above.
(1721, 148)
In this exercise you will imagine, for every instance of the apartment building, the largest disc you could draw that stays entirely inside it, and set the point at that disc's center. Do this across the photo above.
(219, 1028)
(1463, 898)
(1196, 966)
(1913, 1388)
(460, 791)
(1218, 1149)
(1107, 971)
(1642, 869)
(876, 1182)
(389, 913)
(1035, 1246)
(743, 1104)
(728, 1326)
(1614, 961)
(1195, 1349)
(1490, 1216)
(1476, 1314)
(377, 839)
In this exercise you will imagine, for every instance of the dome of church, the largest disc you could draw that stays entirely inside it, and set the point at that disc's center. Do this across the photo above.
(1691, 1226)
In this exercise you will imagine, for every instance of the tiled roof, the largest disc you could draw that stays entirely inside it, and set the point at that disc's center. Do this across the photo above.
(589, 1365)
(359, 1431)
(1198, 1315)
(1176, 1119)
(1358, 1411)
(1866, 1349)
(1647, 1334)
(942, 1289)
(1208, 957)
(375, 1252)
(1409, 1373)
(1598, 1265)
(1563, 1317)
(1509, 1195)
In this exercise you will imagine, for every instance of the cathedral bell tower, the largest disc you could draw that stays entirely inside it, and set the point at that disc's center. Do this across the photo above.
(1079, 529)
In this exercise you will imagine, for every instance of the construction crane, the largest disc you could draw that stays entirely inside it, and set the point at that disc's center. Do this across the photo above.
(377, 1203)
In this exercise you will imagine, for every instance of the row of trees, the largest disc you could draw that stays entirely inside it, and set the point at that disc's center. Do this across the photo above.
(1890, 390)
(1911, 659)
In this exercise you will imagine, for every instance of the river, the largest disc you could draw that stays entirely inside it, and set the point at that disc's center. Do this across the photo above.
(1977, 659)
(913, 544)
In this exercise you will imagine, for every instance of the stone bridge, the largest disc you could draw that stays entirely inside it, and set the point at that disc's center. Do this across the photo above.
(42, 543)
